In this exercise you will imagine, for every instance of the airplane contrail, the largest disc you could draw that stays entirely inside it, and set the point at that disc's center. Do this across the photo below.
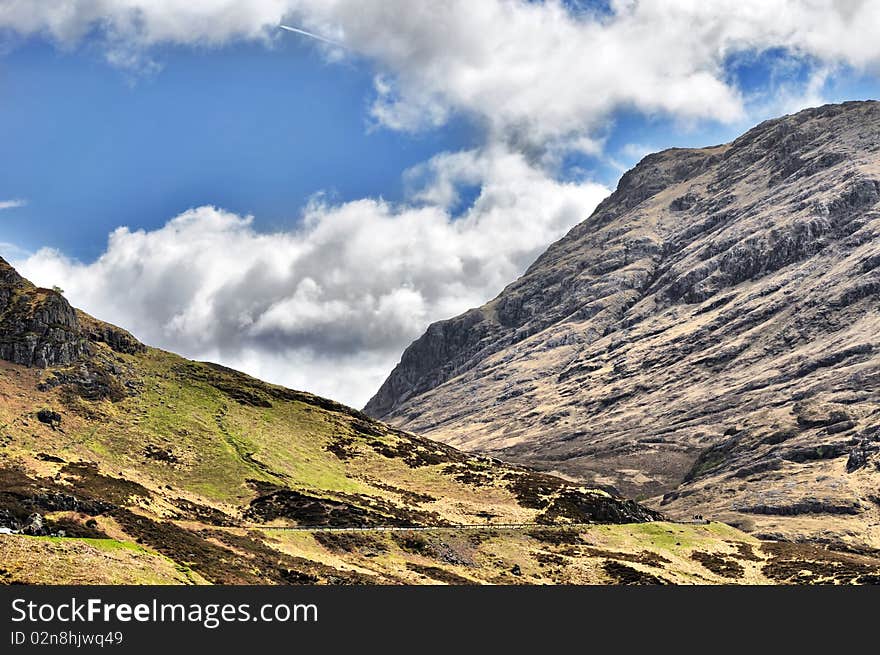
(312, 35)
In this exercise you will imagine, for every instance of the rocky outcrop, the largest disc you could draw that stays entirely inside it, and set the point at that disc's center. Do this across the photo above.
(39, 328)
(702, 334)
(431, 360)
(117, 339)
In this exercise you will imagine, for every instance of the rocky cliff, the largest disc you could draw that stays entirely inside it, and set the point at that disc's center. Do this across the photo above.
(39, 328)
(707, 337)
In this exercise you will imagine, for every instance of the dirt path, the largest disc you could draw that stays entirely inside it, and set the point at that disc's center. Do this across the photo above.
(444, 528)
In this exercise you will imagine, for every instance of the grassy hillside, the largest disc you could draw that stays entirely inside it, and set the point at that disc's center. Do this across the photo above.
(184, 479)
(126, 464)
(187, 459)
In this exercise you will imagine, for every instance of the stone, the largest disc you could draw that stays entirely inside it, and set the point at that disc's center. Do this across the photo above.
(49, 417)
(34, 526)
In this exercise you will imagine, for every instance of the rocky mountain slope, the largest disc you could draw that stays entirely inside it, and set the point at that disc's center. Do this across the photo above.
(707, 338)
(123, 463)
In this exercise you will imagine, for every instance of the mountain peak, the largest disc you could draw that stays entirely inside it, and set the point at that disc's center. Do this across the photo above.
(39, 327)
(728, 288)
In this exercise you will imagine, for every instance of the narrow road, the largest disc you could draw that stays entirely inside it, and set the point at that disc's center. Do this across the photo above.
(419, 528)
(446, 528)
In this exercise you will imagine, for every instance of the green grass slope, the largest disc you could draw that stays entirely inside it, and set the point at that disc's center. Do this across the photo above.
(126, 464)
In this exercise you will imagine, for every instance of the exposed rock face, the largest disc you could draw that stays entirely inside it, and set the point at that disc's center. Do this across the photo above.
(39, 328)
(709, 333)
(116, 338)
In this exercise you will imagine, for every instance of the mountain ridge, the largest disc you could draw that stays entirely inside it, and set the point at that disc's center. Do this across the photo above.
(713, 285)
(121, 463)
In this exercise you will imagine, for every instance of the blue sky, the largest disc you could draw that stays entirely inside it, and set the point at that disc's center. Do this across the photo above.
(238, 193)
(255, 130)
(251, 129)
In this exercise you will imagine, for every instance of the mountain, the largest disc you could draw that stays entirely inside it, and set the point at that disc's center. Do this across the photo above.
(706, 339)
(121, 463)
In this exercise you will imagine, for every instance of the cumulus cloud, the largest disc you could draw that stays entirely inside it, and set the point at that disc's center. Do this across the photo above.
(543, 78)
(329, 305)
(537, 74)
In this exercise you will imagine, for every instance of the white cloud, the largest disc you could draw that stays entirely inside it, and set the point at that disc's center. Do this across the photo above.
(537, 74)
(12, 204)
(330, 305)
